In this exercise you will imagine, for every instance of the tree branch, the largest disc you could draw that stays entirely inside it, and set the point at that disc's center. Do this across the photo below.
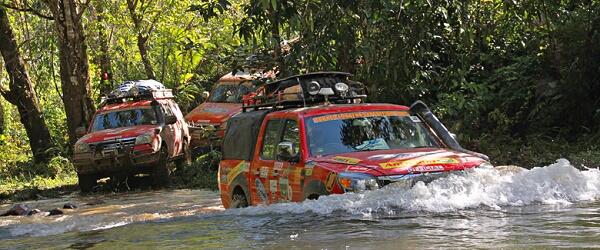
(27, 9)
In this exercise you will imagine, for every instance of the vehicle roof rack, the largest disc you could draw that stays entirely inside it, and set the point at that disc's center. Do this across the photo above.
(137, 90)
(306, 90)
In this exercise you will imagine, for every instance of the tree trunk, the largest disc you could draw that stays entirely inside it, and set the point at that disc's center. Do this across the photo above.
(104, 57)
(74, 68)
(141, 42)
(141, 38)
(276, 36)
(21, 92)
(1, 119)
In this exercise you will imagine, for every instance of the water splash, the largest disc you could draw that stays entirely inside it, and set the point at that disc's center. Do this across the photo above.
(559, 183)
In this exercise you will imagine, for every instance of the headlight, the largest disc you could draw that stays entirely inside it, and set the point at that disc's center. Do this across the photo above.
(485, 164)
(357, 182)
(144, 139)
(81, 147)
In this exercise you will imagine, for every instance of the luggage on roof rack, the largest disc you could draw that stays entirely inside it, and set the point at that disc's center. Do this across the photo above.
(137, 90)
(306, 90)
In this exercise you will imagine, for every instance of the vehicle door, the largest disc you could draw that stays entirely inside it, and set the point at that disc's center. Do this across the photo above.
(265, 157)
(286, 179)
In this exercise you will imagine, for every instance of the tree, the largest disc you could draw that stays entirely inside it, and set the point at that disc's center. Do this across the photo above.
(21, 92)
(74, 68)
(137, 14)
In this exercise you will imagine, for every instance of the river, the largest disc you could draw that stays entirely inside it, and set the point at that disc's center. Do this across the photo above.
(509, 207)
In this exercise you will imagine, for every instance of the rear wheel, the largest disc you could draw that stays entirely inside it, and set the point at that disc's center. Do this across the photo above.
(86, 182)
(238, 198)
(160, 172)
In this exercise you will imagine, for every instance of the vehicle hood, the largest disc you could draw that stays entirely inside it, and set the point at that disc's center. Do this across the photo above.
(400, 162)
(118, 133)
(213, 113)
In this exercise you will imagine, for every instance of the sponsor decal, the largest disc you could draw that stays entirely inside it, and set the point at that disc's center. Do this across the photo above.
(413, 162)
(308, 168)
(278, 165)
(344, 116)
(330, 181)
(415, 118)
(427, 168)
(284, 187)
(263, 172)
(357, 169)
(239, 168)
(290, 192)
(260, 190)
(273, 186)
(223, 179)
(347, 160)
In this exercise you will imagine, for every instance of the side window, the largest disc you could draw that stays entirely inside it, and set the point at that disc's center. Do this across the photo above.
(271, 139)
(291, 133)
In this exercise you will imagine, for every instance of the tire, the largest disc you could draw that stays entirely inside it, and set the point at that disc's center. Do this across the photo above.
(186, 158)
(238, 199)
(161, 172)
(86, 182)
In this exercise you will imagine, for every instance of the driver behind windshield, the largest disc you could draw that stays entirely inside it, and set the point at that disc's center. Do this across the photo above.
(366, 133)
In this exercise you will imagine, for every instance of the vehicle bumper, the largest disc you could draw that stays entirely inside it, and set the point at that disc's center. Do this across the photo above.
(206, 136)
(128, 161)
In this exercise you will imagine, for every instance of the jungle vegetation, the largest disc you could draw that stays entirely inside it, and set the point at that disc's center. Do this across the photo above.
(517, 80)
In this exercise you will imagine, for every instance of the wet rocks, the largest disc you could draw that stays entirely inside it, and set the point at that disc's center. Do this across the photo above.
(17, 210)
(69, 206)
(34, 211)
(55, 211)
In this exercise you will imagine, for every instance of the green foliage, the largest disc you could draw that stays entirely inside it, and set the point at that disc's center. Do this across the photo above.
(518, 80)
(202, 173)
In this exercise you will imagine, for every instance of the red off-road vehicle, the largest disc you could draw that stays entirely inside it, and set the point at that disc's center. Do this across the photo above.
(322, 140)
(208, 121)
(139, 129)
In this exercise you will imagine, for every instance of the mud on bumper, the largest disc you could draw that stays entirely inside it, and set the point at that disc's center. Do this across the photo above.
(126, 161)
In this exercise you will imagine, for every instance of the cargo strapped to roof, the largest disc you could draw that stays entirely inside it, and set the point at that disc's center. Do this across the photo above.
(306, 90)
(138, 90)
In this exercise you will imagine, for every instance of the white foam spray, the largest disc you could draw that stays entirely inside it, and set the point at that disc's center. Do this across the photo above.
(559, 183)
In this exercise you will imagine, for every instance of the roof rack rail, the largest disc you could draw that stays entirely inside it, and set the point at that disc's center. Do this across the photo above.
(306, 90)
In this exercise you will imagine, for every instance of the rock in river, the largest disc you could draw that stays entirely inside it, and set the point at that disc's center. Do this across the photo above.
(55, 211)
(69, 206)
(18, 210)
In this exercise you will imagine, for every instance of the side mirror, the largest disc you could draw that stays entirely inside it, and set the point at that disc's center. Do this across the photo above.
(286, 151)
(205, 95)
(80, 131)
(169, 120)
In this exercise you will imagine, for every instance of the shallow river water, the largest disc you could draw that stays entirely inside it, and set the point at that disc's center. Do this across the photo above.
(546, 207)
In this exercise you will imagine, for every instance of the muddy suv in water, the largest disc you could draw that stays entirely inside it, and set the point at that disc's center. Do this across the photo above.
(325, 141)
(138, 129)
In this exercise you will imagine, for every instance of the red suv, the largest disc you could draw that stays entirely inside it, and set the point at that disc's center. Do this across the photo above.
(208, 121)
(326, 142)
(137, 130)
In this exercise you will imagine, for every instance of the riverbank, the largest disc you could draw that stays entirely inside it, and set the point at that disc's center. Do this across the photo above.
(201, 174)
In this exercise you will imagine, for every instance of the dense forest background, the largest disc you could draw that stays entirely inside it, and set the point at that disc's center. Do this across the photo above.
(517, 80)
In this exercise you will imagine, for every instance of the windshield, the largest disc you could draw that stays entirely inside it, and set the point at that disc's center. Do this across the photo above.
(229, 93)
(364, 131)
(125, 118)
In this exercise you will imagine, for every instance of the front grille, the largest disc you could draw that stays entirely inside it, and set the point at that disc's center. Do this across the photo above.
(118, 144)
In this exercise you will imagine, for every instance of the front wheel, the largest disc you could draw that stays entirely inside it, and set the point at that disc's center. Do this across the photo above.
(86, 182)
(186, 158)
(161, 172)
